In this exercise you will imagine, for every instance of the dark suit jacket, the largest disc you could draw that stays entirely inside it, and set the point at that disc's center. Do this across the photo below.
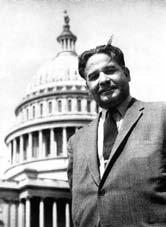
(132, 191)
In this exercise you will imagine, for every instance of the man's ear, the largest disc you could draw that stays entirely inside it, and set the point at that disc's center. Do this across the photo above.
(127, 73)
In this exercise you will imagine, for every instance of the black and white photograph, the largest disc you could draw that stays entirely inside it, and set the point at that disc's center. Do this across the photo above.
(82, 113)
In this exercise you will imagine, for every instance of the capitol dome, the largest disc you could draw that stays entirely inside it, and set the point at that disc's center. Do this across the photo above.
(55, 106)
(63, 68)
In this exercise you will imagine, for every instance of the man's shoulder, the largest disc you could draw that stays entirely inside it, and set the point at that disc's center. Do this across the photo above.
(152, 105)
(155, 105)
(153, 110)
(83, 131)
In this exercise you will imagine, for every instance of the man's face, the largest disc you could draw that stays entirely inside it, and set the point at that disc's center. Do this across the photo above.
(106, 80)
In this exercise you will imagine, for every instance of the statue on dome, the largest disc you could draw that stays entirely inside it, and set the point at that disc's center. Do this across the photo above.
(66, 17)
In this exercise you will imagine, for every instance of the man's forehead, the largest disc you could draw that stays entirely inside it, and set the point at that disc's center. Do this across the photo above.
(98, 58)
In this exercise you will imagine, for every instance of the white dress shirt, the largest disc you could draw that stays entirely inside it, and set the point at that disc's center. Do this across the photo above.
(119, 116)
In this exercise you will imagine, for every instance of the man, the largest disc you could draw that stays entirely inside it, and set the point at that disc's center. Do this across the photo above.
(117, 181)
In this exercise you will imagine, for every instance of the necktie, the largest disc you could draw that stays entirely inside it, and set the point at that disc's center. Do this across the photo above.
(110, 133)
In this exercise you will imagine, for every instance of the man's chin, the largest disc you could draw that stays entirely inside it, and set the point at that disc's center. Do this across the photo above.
(108, 103)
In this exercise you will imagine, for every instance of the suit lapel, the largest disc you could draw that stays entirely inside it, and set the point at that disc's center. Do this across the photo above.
(91, 150)
(132, 116)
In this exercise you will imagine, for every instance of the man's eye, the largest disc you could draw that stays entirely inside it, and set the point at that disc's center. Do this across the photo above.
(110, 71)
(93, 76)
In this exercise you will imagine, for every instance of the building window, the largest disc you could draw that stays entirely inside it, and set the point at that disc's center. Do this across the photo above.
(69, 104)
(35, 144)
(78, 87)
(59, 88)
(25, 146)
(50, 107)
(79, 105)
(46, 142)
(88, 105)
(11, 152)
(33, 111)
(17, 149)
(59, 105)
(50, 89)
(68, 87)
(58, 136)
(41, 109)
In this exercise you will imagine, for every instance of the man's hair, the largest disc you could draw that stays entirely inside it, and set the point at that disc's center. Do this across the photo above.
(114, 52)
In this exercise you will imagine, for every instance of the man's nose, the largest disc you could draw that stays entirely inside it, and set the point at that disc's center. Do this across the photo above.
(104, 78)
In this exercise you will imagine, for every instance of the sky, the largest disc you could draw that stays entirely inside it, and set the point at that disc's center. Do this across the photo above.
(28, 32)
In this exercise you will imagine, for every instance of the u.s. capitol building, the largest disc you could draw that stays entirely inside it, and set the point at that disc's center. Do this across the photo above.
(35, 191)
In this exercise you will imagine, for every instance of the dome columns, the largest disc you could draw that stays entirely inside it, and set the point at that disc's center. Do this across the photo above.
(40, 144)
(54, 216)
(93, 106)
(21, 149)
(29, 153)
(14, 151)
(64, 105)
(19, 213)
(84, 105)
(68, 45)
(27, 212)
(10, 148)
(43, 143)
(41, 153)
(67, 215)
(74, 105)
(21, 216)
(64, 140)
(53, 143)
(13, 212)
(53, 107)
(41, 213)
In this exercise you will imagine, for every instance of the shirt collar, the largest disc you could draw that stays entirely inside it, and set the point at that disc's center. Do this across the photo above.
(123, 106)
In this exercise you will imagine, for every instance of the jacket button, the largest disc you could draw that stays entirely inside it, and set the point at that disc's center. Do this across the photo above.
(101, 192)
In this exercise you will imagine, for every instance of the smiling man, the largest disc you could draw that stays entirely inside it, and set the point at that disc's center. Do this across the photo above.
(117, 164)
(107, 80)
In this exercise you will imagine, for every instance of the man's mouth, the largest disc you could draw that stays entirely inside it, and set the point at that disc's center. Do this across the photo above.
(107, 90)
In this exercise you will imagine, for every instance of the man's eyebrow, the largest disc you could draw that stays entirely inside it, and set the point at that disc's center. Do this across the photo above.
(110, 67)
(96, 71)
